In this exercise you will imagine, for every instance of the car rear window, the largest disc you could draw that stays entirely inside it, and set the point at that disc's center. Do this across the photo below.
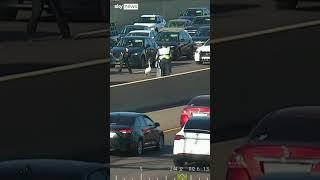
(288, 129)
(121, 120)
(203, 101)
(197, 124)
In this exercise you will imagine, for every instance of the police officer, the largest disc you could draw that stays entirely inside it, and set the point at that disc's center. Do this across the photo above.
(165, 57)
(125, 60)
(37, 7)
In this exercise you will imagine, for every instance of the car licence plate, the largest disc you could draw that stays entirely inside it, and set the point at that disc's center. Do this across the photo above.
(199, 114)
(286, 168)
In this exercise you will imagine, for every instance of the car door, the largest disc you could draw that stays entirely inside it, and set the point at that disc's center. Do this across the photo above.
(183, 42)
(143, 131)
(189, 41)
(154, 135)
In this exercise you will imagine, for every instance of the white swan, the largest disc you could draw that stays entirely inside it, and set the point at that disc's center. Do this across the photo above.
(148, 69)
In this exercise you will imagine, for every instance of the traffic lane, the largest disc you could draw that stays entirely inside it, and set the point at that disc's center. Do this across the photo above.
(234, 17)
(263, 74)
(168, 118)
(221, 152)
(152, 164)
(180, 66)
(21, 55)
(151, 95)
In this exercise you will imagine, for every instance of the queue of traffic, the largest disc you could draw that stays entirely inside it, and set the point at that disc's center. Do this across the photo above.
(186, 36)
(136, 132)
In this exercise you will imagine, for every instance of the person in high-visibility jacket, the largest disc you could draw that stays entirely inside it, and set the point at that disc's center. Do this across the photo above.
(164, 56)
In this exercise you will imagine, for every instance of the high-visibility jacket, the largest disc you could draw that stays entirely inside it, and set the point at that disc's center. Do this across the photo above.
(164, 53)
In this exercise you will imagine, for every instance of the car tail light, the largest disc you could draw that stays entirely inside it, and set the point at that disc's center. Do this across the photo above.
(125, 131)
(178, 137)
(237, 168)
(184, 118)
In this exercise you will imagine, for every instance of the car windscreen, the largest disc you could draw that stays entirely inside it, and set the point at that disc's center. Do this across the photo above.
(288, 130)
(167, 37)
(138, 34)
(147, 20)
(121, 120)
(130, 42)
(200, 101)
(194, 12)
(132, 28)
(198, 125)
(173, 24)
(202, 21)
(203, 32)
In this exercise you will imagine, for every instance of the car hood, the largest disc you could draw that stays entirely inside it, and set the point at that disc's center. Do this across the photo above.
(200, 38)
(204, 48)
(146, 24)
(187, 17)
(122, 49)
(167, 43)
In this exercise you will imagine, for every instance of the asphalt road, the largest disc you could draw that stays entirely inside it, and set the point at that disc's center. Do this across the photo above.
(154, 164)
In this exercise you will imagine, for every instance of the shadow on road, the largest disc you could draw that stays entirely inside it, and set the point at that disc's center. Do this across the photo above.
(225, 8)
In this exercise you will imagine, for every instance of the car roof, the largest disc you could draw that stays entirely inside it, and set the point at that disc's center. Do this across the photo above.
(135, 25)
(172, 30)
(184, 20)
(150, 15)
(204, 27)
(127, 114)
(199, 118)
(136, 37)
(138, 31)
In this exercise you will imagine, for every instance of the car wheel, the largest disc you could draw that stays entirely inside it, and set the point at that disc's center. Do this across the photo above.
(160, 143)
(286, 4)
(177, 162)
(178, 54)
(142, 62)
(138, 150)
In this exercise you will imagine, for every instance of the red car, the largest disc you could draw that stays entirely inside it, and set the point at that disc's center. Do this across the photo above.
(284, 142)
(198, 106)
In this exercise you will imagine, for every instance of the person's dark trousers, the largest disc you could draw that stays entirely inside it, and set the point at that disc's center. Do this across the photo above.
(37, 7)
(62, 24)
(165, 67)
(125, 61)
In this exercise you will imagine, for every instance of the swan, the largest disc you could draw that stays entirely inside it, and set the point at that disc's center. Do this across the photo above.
(148, 69)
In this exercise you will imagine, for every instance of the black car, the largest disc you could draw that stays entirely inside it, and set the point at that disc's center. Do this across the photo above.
(141, 49)
(126, 29)
(134, 132)
(197, 22)
(179, 40)
(201, 36)
(191, 13)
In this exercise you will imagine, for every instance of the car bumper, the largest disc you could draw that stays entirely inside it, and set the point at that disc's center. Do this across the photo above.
(190, 158)
(203, 57)
(120, 144)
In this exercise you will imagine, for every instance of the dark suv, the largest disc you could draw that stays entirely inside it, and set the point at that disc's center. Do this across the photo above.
(179, 40)
(191, 13)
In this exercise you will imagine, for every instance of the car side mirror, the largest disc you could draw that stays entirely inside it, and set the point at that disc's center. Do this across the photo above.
(157, 124)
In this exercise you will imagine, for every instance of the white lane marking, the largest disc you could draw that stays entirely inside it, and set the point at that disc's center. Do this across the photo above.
(173, 129)
(53, 70)
(151, 79)
(267, 31)
(216, 41)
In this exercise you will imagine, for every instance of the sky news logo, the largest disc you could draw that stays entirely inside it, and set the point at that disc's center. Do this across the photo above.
(127, 6)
